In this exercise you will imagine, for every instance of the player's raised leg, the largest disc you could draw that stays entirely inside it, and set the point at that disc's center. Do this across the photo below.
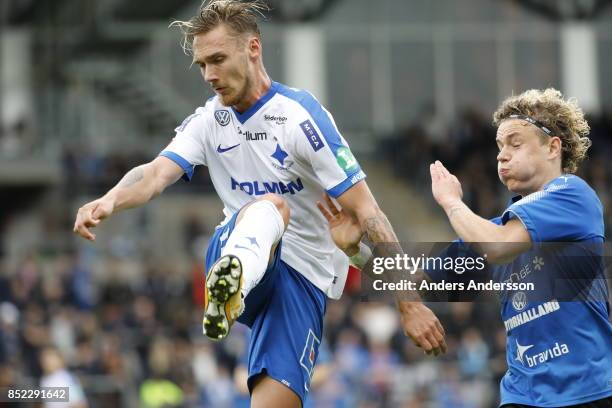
(243, 262)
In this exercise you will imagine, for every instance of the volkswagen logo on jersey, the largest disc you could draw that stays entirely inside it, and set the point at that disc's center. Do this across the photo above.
(519, 301)
(222, 116)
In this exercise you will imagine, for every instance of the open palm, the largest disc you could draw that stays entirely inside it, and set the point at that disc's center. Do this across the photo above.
(344, 228)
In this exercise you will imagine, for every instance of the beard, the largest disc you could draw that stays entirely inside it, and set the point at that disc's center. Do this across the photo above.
(236, 97)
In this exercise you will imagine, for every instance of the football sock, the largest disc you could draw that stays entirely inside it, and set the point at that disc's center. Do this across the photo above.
(261, 227)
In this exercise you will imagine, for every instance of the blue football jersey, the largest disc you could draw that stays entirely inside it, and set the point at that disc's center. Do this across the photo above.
(559, 336)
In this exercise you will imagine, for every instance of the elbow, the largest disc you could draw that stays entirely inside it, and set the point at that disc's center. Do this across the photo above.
(495, 256)
(367, 212)
(500, 253)
(156, 184)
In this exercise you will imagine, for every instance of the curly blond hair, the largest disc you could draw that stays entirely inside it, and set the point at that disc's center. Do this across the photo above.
(564, 117)
(240, 16)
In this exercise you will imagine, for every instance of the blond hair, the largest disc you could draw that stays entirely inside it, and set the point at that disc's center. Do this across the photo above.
(563, 117)
(240, 17)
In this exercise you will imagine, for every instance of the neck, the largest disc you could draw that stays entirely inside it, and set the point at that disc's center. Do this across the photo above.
(261, 84)
(542, 181)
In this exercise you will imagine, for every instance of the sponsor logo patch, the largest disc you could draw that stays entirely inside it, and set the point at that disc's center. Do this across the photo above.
(256, 188)
(250, 136)
(531, 314)
(535, 359)
(345, 159)
(312, 135)
(278, 119)
(358, 177)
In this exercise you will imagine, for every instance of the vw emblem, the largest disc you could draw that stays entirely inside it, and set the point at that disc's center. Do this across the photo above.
(222, 116)
(519, 301)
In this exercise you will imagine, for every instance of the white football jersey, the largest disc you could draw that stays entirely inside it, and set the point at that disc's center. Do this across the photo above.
(286, 144)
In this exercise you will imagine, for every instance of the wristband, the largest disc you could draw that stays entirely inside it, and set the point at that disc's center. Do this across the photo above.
(361, 258)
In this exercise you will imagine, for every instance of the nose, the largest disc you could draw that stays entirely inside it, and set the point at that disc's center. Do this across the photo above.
(209, 74)
(503, 156)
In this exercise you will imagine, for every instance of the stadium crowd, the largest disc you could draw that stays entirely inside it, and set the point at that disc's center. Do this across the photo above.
(127, 342)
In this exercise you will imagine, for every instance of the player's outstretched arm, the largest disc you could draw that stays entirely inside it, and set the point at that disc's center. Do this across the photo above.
(137, 187)
(501, 243)
(418, 321)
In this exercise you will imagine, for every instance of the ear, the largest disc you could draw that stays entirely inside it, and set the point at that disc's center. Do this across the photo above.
(555, 148)
(254, 47)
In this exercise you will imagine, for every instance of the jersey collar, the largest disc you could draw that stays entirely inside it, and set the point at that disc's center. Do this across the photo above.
(518, 197)
(243, 117)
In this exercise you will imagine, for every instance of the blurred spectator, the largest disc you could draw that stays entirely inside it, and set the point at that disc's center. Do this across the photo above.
(56, 375)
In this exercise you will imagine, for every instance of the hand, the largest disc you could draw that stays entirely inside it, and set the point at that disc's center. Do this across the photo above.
(90, 215)
(423, 327)
(445, 187)
(344, 228)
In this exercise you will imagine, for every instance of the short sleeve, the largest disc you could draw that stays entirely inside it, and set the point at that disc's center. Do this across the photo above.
(187, 147)
(567, 209)
(318, 142)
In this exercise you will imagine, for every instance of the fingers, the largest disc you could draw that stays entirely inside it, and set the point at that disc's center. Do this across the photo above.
(441, 168)
(428, 335)
(423, 343)
(440, 328)
(332, 206)
(436, 338)
(328, 216)
(85, 221)
(435, 174)
(438, 171)
(98, 214)
(432, 343)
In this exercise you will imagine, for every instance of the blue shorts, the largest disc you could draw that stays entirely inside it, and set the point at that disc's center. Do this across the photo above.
(285, 313)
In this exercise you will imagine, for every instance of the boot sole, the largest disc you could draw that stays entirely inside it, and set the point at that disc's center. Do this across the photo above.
(223, 282)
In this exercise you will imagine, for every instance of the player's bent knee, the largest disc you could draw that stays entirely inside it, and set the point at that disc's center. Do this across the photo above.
(280, 203)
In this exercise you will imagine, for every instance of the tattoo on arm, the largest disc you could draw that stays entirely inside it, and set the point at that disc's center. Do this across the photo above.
(131, 177)
(379, 230)
(454, 210)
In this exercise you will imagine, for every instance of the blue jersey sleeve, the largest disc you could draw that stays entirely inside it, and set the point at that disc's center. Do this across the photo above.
(187, 148)
(567, 209)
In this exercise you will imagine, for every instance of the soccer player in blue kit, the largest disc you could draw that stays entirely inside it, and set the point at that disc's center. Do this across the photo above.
(559, 353)
(272, 152)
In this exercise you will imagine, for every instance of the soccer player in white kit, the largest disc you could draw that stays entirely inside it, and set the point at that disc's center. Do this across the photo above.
(272, 153)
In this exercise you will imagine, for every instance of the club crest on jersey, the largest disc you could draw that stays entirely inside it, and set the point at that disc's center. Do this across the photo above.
(311, 134)
(309, 355)
(280, 156)
(222, 116)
